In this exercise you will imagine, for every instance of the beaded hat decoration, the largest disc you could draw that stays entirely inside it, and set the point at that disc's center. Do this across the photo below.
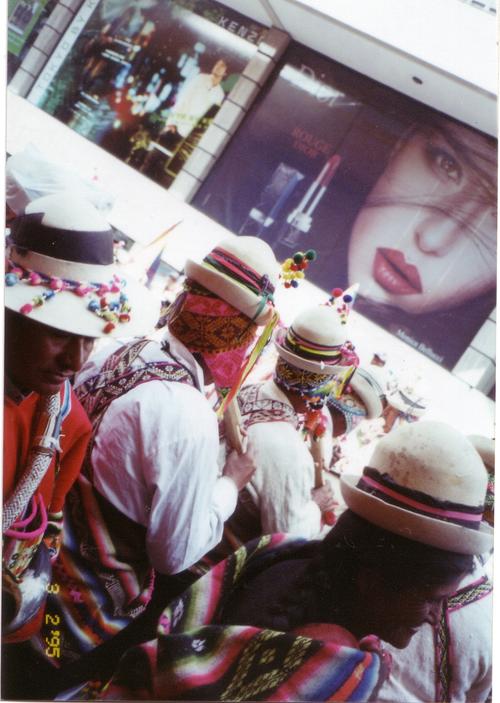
(343, 300)
(427, 482)
(242, 271)
(293, 268)
(60, 272)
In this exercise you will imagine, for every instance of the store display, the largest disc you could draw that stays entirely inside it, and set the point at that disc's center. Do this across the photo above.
(145, 80)
(390, 193)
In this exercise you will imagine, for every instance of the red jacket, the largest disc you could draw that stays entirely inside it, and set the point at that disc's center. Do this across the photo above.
(18, 428)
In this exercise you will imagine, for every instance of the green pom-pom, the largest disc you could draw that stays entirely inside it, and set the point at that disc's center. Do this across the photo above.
(298, 257)
(311, 254)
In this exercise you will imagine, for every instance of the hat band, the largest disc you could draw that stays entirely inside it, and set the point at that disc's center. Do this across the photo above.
(310, 350)
(411, 403)
(243, 275)
(383, 487)
(84, 247)
(58, 268)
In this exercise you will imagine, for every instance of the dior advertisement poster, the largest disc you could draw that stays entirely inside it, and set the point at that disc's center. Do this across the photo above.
(145, 78)
(391, 194)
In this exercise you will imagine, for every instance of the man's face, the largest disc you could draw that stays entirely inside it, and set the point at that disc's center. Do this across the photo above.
(40, 358)
(219, 69)
(395, 615)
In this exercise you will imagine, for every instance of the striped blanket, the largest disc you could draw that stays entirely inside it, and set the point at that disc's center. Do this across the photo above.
(194, 658)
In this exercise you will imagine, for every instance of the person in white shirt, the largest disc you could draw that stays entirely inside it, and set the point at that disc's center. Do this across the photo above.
(198, 94)
(452, 659)
(282, 495)
(150, 502)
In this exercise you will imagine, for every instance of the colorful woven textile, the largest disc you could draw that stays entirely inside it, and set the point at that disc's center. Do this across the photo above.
(255, 409)
(205, 323)
(194, 658)
(103, 576)
(291, 378)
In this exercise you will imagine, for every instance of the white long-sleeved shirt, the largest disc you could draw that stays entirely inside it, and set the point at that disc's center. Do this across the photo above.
(281, 485)
(195, 98)
(155, 460)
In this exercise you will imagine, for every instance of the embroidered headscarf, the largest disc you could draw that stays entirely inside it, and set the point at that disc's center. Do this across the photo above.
(212, 328)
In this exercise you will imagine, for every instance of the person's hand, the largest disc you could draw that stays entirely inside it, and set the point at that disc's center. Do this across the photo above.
(323, 497)
(240, 468)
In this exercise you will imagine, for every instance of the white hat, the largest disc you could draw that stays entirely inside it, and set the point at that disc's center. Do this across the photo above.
(410, 396)
(314, 341)
(485, 446)
(425, 481)
(371, 394)
(61, 272)
(242, 271)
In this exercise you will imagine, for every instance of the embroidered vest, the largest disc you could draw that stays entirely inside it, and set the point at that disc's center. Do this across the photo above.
(244, 524)
(254, 409)
(119, 374)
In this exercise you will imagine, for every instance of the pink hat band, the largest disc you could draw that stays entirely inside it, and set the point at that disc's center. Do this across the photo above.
(383, 487)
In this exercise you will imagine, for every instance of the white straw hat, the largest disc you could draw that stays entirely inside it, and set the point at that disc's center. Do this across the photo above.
(61, 272)
(371, 394)
(314, 341)
(411, 394)
(242, 271)
(425, 481)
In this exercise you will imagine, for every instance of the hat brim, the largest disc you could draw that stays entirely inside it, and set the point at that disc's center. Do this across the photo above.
(233, 293)
(68, 312)
(368, 395)
(397, 402)
(299, 362)
(485, 446)
(420, 528)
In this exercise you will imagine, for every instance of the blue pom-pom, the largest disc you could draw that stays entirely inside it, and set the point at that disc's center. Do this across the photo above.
(11, 279)
(93, 306)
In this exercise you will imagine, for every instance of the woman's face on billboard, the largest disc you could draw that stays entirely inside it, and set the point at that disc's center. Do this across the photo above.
(425, 238)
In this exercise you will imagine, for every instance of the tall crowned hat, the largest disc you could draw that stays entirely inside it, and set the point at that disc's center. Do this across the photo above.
(425, 481)
(60, 272)
(242, 271)
(316, 340)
